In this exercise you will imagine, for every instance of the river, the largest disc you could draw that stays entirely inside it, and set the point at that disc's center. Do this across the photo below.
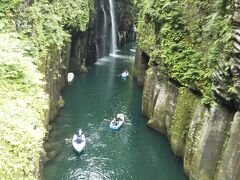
(134, 152)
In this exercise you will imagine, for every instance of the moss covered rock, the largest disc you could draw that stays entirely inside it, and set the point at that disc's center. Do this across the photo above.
(185, 107)
(200, 115)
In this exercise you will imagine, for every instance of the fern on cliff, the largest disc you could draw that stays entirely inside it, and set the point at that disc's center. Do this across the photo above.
(186, 38)
(49, 24)
(29, 30)
(22, 110)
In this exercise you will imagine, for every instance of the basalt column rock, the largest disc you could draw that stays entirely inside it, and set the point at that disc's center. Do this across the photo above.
(149, 93)
(193, 137)
(235, 60)
(78, 51)
(185, 107)
(206, 137)
(159, 101)
(223, 79)
(56, 68)
(210, 143)
(140, 66)
(229, 167)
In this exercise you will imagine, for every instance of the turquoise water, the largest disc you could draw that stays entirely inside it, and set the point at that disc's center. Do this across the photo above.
(134, 152)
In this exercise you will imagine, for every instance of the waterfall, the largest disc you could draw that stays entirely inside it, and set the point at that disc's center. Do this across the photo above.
(113, 30)
(104, 30)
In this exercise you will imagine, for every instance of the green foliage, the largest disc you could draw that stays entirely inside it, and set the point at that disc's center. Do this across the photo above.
(44, 27)
(22, 110)
(186, 38)
(79, 19)
(186, 106)
(10, 71)
(7, 10)
(8, 7)
(145, 33)
(125, 14)
(48, 25)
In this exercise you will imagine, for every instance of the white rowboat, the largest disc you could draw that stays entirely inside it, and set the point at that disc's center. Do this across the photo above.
(78, 142)
(70, 77)
(124, 74)
(117, 122)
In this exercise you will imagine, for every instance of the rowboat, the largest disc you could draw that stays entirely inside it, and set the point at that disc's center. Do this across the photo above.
(117, 122)
(70, 77)
(133, 50)
(124, 74)
(79, 141)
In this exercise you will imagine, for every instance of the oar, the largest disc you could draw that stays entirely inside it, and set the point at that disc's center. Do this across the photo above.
(107, 120)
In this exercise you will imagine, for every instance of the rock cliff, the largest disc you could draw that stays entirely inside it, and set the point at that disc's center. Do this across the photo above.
(191, 81)
(206, 137)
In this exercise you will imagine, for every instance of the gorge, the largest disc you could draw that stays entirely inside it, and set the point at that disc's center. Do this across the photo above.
(187, 62)
(133, 152)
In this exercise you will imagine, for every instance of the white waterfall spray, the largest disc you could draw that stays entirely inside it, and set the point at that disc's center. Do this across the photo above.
(104, 31)
(113, 32)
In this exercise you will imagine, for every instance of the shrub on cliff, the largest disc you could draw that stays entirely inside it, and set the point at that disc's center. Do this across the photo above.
(23, 105)
(186, 39)
(30, 30)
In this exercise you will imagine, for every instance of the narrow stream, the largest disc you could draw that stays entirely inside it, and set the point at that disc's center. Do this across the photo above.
(134, 152)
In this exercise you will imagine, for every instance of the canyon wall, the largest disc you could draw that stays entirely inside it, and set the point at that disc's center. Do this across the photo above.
(206, 137)
(191, 81)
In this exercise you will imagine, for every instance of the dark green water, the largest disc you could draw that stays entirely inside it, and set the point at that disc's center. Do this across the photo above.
(134, 152)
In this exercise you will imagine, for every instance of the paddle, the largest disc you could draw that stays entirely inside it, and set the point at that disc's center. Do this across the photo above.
(125, 122)
(107, 120)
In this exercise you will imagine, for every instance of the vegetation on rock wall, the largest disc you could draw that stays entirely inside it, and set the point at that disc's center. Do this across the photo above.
(29, 31)
(48, 24)
(124, 14)
(23, 109)
(185, 107)
(186, 39)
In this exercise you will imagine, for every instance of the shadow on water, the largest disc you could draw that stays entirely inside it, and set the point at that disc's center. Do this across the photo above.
(78, 155)
(91, 102)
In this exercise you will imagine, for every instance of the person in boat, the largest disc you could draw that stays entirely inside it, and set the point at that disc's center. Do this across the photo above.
(79, 136)
(116, 121)
(125, 72)
(78, 140)
(80, 132)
